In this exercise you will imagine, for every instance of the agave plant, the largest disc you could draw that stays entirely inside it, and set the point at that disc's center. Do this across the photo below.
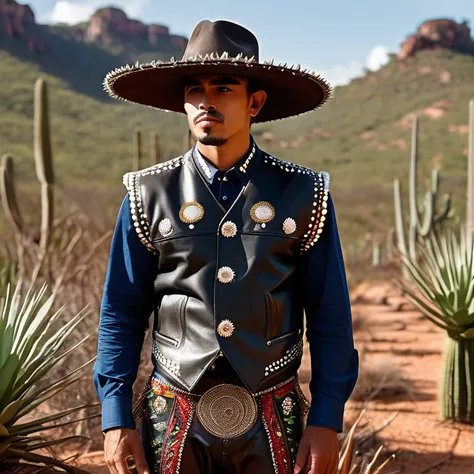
(351, 464)
(31, 344)
(444, 292)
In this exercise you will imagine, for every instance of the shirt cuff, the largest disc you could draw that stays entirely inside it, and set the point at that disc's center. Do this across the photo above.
(117, 413)
(326, 412)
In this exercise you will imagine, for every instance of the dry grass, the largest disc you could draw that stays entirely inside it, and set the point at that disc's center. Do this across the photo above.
(379, 379)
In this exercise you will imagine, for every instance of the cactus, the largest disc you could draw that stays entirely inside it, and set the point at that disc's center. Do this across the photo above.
(8, 194)
(442, 282)
(457, 397)
(137, 150)
(155, 150)
(43, 162)
(470, 174)
(188, 141)
(44, 174)
(376, 254)
(422, 219)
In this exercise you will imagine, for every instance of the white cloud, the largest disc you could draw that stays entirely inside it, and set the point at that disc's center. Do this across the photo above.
(71, 12)
(342, 74)
(377, 57)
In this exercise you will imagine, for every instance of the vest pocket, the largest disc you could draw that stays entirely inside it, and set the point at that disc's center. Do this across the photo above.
(283, 337)
(170, 325)
(275, 328)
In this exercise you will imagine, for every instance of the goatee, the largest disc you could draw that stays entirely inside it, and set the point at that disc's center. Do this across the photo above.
(210, 140)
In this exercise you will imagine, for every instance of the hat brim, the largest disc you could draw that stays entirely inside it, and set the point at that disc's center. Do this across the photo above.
(290, 91)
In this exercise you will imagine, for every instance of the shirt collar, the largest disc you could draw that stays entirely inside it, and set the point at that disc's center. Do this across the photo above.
(243, 168)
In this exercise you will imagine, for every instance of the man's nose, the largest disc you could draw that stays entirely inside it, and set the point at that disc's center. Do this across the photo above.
(206, 103)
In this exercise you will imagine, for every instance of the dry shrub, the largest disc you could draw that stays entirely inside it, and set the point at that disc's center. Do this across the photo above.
(379, 379)
(360, 321)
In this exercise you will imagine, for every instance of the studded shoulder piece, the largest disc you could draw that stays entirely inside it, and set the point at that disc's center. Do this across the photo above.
(319, 204)
(132, 183)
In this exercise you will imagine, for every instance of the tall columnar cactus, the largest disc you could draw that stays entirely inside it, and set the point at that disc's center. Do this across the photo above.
(44, 172)
(457, 397)
(424, 218)
(470, 174)
(44, 163)
(155, 150)
(137, 150)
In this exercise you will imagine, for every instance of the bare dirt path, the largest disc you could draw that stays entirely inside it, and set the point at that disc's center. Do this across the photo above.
(425, 443)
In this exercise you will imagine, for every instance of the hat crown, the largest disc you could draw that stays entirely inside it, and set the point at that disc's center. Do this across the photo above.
(219, 37)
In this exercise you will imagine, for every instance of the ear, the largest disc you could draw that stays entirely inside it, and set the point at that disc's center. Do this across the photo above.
(257, 101)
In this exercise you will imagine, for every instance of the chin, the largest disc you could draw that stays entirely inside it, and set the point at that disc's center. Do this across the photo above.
(211, 140)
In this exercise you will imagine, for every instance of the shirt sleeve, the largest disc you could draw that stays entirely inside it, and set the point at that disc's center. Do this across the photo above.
(334, 360)
(127, 303)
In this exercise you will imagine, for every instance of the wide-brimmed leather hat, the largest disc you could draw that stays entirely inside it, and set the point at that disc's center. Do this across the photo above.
(220, 47)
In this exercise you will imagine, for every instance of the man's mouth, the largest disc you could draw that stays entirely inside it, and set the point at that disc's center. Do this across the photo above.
(207, 118)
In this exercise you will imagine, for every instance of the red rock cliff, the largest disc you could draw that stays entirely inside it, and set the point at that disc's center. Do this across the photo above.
(108, 25)
(440, 33)
(19, 21)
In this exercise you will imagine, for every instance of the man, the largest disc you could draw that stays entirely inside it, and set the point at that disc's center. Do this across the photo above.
(229, 247)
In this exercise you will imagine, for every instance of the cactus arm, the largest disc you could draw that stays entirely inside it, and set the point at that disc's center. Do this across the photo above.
(137, 150)
(401, 242)
(8, 194)
(427, 225)
(470, 175)
(154, 155)
(43, 162)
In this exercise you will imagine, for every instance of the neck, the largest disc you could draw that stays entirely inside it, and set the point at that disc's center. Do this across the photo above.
(225, 156)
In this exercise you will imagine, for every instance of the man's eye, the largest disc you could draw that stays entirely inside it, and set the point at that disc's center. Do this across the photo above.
(224, 89)
(193, 90)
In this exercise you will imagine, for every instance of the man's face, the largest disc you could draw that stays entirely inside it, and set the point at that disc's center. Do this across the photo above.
(219, 107)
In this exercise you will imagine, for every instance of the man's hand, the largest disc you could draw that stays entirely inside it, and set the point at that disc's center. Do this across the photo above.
(121, 444)
(318, 452)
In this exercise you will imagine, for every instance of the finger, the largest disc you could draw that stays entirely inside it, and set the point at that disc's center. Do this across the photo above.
(302, 460)
(111, 466)
(318, 465)
(122, 466)
(332, 466)
(139, 457)
(335, 464)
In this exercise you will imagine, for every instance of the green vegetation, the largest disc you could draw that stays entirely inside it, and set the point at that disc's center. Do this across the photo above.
(31, 347)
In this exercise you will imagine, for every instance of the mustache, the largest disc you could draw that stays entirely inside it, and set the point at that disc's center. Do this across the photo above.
(209, 113)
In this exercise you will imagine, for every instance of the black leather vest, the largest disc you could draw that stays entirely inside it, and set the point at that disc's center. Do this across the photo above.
(228, 281)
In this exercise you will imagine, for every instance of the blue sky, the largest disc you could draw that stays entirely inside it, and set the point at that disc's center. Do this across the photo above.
(337, 38)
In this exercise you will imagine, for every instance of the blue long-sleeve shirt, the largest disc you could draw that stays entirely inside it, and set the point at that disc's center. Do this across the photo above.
(128, 302)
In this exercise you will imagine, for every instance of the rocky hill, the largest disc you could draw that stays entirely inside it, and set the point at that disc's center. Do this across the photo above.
(436, 34)
(109, 28)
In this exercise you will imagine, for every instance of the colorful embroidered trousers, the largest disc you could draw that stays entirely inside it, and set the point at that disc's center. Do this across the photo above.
(175, 440)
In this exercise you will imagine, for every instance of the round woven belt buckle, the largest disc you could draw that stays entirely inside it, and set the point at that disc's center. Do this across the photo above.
(227, 411)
